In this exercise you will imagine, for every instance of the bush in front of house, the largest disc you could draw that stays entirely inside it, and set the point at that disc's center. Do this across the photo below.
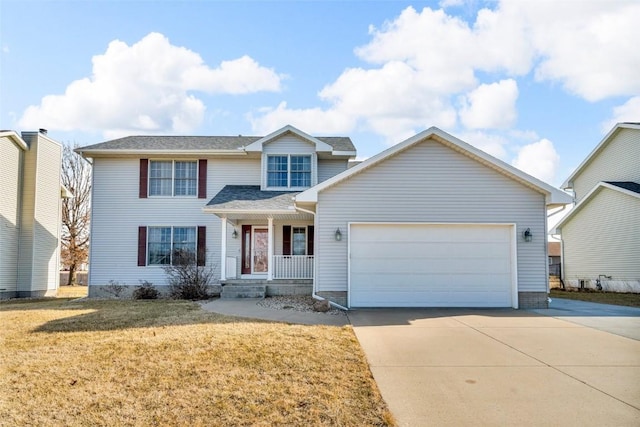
(186, 279)
(146, 290)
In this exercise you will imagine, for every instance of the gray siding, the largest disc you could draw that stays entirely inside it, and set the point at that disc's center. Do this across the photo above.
(594, 244)
(619, 161)
(430, 183)
(289, 144)
(39, 251)
(329, 168)
(10, 182)
(118, 212)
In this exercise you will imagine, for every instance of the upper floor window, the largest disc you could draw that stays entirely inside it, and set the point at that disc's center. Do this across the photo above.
(288, 171)
(173, 178)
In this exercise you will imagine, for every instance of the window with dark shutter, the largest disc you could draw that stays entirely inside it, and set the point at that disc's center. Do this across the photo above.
(286, 240)
(142, 246)
(202, 245)
(202, 178)
(144, 175)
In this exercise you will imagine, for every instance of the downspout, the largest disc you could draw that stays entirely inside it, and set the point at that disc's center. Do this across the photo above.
(313, 289)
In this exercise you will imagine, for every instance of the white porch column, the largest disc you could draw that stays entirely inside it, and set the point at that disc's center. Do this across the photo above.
(270, 250)
(223, 249)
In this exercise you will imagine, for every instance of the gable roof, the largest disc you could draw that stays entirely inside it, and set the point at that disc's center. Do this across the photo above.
(553, 195)
(568, 183)
(249, 198)
(624, 187)
(13, 135)
(319, 145)
(205, 144)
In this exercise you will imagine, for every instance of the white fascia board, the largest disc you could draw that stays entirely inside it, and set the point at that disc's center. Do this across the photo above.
(553, 195)
(595, 190)
(151, 153)
(249, 211)
(568, 183)
(16, 139)
(344, 153)
(257, 145)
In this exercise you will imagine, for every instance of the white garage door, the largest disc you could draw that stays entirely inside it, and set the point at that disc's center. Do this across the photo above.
(431, 265)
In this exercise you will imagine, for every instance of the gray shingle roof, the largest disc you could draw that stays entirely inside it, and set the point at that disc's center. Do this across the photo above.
(199, 143)
(250, 197)
(627, 185)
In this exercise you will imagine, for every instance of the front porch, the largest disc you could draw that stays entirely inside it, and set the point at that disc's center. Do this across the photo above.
(263, 236)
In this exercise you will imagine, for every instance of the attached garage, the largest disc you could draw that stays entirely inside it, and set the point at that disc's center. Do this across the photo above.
(432, 265)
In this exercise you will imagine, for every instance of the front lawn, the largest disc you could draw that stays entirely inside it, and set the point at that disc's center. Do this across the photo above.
(628, 299)
(66, 363)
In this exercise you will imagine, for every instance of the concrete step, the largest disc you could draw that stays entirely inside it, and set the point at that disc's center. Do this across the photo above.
(243, 291)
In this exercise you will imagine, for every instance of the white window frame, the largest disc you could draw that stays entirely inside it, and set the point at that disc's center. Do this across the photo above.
(171, 244)
(312, 168)
(173, 178)
(306, 236)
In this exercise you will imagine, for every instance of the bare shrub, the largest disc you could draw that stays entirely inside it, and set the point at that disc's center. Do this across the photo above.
(115, 288)
(146, 290)
(186, 279)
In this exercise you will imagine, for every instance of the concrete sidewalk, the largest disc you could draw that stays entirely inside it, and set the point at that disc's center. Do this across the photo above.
(619, 320)
(248, 307)
(449, 367)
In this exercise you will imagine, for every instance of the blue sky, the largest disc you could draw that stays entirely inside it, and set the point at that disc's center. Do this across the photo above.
(537, 84)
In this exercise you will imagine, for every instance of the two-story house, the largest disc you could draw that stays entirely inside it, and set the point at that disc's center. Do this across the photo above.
(601, 234)
(431, 221)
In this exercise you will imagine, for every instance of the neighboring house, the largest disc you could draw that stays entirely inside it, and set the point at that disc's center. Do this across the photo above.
(601, 234)
(431, 221)
(554, 250)
(30, 214)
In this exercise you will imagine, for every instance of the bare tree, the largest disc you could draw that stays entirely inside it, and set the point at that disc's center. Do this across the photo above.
(76, 177)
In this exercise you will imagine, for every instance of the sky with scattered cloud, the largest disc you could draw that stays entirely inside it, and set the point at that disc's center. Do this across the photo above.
(534, 83)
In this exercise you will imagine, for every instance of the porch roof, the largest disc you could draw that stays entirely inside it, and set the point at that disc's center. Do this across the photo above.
(249, 202)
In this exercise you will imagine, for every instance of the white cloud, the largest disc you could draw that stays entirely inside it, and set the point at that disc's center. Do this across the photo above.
(538, 159)
(145, 88)
(627, 112)
(490, 106)
(489, 143)
(422, 62)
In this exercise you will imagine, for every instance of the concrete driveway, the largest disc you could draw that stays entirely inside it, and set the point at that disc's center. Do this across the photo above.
(500, 367)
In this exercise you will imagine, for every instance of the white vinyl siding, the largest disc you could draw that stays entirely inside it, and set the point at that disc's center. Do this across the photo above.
(118, 212)
(329, 168)
(603, 238)
(289, 144)
(10, 198)
(618, 161)
(430, 183)
(39, 261)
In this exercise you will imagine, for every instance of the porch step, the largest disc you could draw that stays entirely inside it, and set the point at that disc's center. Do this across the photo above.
(243, 291)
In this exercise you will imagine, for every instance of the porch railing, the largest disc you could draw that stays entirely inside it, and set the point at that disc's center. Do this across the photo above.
(293, 266)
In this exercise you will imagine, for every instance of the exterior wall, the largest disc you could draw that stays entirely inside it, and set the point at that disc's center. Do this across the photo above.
(430, 183)
(595, 245)
(329, 168)
(10, 181)
(619, 161)
(289, 144)
(117, 212)
(39, 246)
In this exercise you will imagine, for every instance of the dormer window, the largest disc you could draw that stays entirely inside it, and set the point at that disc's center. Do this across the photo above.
(286, 171)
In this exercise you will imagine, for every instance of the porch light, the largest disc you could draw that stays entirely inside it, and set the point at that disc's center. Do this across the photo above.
(338, 235)
(234, 234)
(528, 236)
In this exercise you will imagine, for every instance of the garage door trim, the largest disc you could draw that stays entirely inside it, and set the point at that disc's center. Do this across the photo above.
(513, 251)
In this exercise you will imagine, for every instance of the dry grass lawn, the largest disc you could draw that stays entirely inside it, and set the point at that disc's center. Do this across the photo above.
(139, 363)
(72, 291)
(615, 298)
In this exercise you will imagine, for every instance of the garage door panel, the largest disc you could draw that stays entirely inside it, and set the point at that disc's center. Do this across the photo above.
(423, 265)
